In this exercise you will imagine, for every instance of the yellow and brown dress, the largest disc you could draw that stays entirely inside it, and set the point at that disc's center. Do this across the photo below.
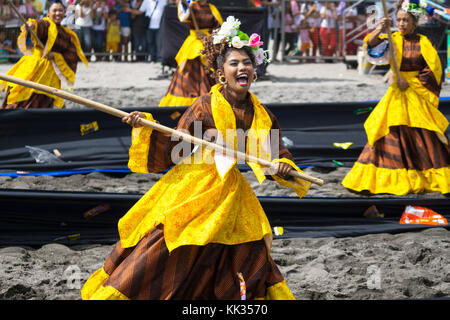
(191, 234)
(190, 80)
(66, 49)
(407, 149)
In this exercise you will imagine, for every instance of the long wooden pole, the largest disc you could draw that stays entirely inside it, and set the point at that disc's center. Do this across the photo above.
(25, 23)
(186, 137)
(194, 20)
(391, 43)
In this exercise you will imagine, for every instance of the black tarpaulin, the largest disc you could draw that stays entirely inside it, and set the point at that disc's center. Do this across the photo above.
(39, 217)
(309, 132)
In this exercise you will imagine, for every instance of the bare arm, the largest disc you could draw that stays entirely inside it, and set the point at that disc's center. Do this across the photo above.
(374, 39)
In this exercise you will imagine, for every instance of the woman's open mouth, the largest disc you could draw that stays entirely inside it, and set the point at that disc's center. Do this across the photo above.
(242, 80)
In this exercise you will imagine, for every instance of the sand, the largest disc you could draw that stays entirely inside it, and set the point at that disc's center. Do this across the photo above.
(410, 265)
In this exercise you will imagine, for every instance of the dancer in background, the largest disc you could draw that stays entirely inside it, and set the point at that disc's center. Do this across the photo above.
(200, 231)
(408, 150)
(189, 79)
(55, 63)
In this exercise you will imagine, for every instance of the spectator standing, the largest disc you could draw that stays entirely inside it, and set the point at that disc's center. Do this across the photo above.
(351, 19)
(290, 31)
(100, 14)
(12, 23)
(5, 47)
(113, 34)
(83, 24)
(38, 6)
(3, 13)
(69, 19)
(273, 18)
(298, 17)
(111, 4)
(27, 10)
(311, 11)
(328, 35)
(305, 38)
(153, 32)
(139, 26)
(153, 10)
(123, 13)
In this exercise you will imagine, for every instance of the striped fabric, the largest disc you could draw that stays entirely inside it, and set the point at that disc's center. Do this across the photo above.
(203, 16)
(193, 81)
(36, 100)
(409, 148)
(161, 146)
(412, 60)
(63, 44)
(147, 271)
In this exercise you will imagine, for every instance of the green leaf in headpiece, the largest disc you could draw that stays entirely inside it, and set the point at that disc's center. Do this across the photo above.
(243, 35)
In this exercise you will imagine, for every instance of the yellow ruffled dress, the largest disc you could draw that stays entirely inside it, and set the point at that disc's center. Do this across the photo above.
(196, 204)
(33, 67)
(189, 78)
(415, 109)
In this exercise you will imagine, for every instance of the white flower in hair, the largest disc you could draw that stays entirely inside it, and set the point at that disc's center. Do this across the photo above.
(227, 31)
(217, 38)
(405, 5)
(237, 42)
(230, 27)
(260, 56)
(423, 3)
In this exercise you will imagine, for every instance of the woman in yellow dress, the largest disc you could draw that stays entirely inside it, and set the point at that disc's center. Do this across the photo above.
(407, 149)
(51, 65)
(200, 231)
(189, 80)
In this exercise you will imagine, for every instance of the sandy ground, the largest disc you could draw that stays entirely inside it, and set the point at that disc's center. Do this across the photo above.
(382, 266)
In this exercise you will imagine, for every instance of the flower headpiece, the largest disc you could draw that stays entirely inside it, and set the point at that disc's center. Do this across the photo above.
(417, 7)
(229, 31)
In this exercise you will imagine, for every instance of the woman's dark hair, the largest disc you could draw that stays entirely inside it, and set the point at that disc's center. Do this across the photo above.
(57, 2)
(217, 53)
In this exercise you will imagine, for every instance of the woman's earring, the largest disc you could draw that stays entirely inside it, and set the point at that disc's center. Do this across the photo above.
(255, 77)
(222, 79)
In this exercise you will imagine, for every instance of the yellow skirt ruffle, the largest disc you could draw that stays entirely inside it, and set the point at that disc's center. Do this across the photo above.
(36, 69)
(170, 100)
(94, 289)
(397, 181)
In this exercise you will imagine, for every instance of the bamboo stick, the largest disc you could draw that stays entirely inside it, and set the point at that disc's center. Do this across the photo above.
(186, 137)
(25, 23)
(391, 43)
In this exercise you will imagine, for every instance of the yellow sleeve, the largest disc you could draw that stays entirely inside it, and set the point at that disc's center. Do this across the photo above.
(140, 146)
(300, 186)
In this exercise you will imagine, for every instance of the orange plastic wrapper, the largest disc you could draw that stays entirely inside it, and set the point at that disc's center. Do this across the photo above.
(96, 210)
(420, 215)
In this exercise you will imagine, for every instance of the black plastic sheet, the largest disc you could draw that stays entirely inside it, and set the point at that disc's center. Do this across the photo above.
(309, 131)
(38, 217)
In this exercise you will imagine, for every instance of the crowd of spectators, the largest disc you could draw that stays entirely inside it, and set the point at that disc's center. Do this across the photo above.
(120, 30)
(315, 29)
(129, 30)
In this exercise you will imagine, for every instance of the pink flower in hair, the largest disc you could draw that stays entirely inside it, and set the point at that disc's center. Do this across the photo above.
(255, 40)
